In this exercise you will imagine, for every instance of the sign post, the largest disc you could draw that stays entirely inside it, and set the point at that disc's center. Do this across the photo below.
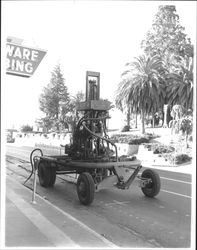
(22, 60)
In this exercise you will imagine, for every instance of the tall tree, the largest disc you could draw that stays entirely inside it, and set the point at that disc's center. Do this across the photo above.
(51, 98)
(142, 87)
(167, 39)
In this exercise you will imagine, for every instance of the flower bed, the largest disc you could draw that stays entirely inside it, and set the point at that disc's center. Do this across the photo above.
(129, 144)
(166, 154)
(154, 152)
(159, 148)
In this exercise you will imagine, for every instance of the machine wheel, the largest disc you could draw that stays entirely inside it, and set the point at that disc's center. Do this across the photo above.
(47, 175)
(85, 188)
(152, 188)
(53, 177)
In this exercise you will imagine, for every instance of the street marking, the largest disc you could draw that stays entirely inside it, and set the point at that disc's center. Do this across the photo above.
(115, 202)
(185, 182)
(54, 234)
(166, 191)
(154, 242)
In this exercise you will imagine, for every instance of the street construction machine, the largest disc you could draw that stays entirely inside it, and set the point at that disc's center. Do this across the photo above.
(92, 156)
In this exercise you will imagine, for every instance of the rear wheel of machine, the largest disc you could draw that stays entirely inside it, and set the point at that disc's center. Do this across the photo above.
(152, 188)
(47, 175)
(85, 188)
(53, 177)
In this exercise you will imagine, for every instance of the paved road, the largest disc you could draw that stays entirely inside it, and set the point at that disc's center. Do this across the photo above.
(126, 218)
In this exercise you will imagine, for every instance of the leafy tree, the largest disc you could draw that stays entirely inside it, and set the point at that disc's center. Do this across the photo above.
(45, 123)
(50, 100)
(26, 128)
(142, 87)
(69, 119)
(167, 39)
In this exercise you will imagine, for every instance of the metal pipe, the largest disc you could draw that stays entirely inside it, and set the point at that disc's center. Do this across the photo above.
(36, 161)
(102, 139)
(34, 187)
(127, 184)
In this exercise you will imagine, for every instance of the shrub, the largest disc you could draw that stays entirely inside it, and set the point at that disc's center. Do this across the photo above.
(181, 158)
(186, 125)
(159, 148)
(132, 139)
(125, 128)
(162, 149)
(178, 158)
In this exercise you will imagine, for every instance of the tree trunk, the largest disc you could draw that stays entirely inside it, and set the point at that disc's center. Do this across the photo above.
(153, 124)
(165, 109)
(186, 141)
(70, 127)
(142, 119)
(136, 120)
(128, 117)
(57, 122)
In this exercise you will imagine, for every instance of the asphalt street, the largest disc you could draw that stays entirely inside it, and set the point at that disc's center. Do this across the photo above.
(124, 217)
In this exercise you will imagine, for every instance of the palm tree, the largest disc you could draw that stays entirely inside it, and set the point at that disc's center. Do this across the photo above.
(180, 85)
(143, 89)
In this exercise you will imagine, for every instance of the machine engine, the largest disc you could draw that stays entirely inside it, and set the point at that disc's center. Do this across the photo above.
(90, 140)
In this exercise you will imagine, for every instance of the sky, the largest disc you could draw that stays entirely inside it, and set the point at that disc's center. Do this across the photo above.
(82, 36)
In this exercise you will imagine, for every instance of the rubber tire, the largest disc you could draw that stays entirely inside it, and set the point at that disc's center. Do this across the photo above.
(87, 197)
(151, 189)
(47, 175)
(53, 177)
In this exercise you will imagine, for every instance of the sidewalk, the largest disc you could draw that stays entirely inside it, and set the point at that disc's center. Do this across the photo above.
(43, 224)
(187, 168)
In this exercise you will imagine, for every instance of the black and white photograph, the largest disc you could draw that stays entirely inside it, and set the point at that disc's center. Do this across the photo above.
(98, 124)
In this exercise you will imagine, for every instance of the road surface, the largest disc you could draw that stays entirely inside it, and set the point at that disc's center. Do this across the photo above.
(124, 217)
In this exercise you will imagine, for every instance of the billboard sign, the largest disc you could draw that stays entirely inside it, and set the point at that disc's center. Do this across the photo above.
(22, 60)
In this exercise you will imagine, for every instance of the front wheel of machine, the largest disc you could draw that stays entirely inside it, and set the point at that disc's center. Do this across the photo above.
(152, 188)
(46, 175)
(85, 188)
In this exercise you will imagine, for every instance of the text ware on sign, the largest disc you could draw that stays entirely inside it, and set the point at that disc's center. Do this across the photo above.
(22, 61)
